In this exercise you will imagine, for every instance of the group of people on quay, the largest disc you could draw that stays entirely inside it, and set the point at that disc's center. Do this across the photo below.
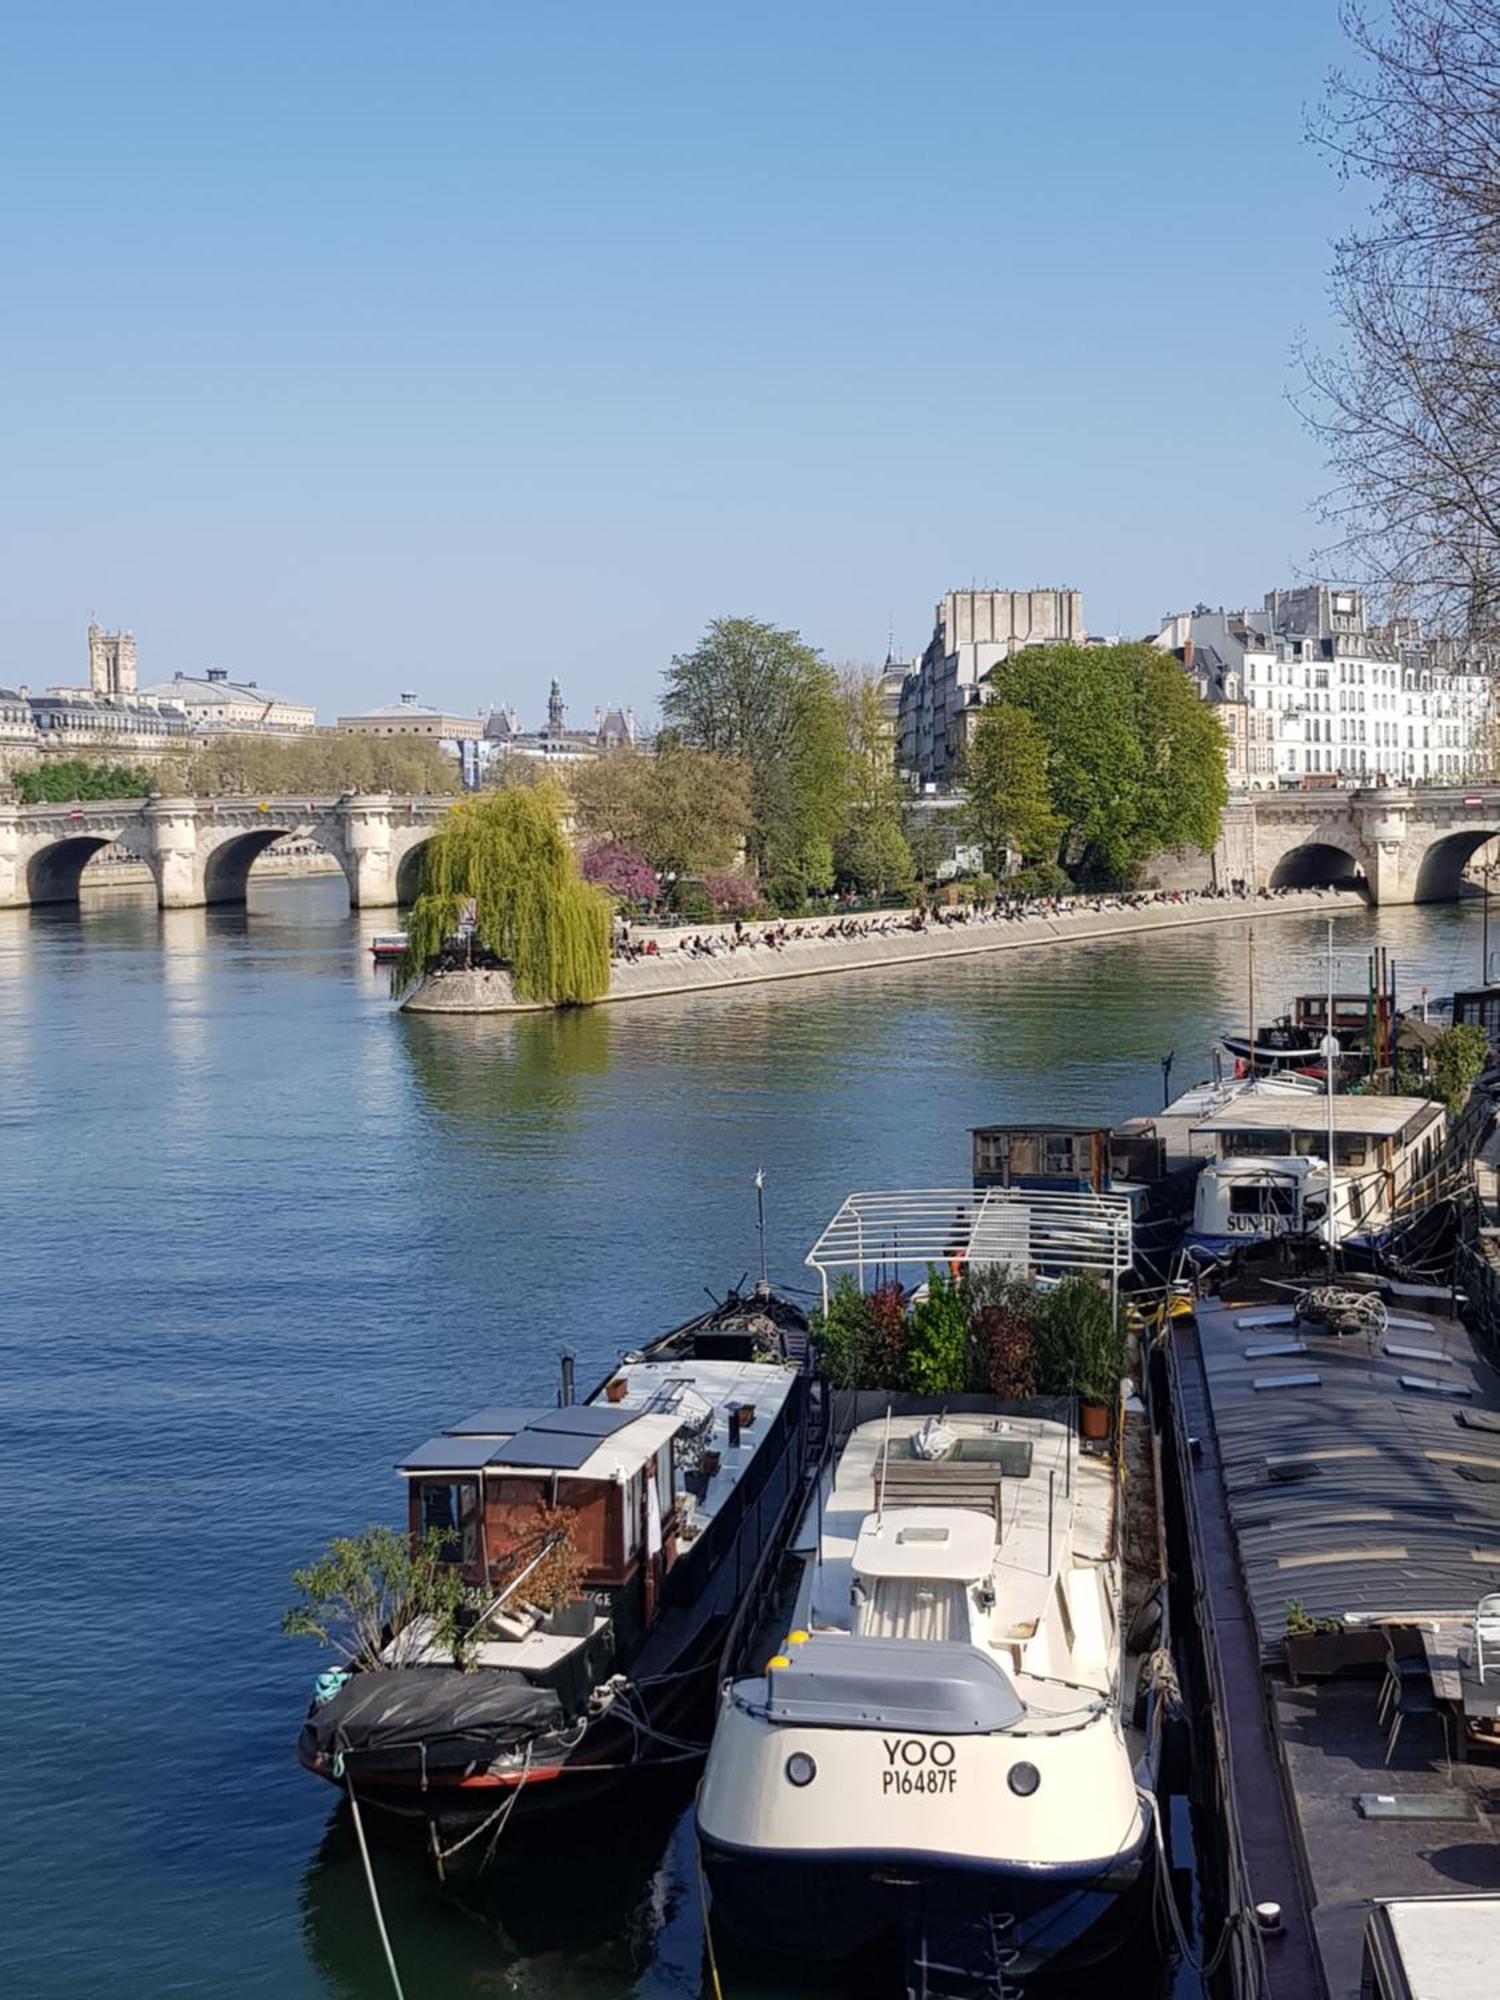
(776, 935)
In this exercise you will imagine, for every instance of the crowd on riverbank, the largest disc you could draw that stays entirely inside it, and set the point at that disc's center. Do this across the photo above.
(634, 943)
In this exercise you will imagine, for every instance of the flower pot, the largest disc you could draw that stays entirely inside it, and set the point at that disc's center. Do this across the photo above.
(615, 1391)
(1093, 1420)
(709, 1463)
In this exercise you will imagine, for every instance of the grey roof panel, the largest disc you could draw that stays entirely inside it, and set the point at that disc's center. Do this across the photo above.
(449, 1454)
(591, 1420)
(495, 1420)
(548, 1451)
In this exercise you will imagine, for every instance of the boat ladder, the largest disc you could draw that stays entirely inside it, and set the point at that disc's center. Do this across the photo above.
(960, 1958)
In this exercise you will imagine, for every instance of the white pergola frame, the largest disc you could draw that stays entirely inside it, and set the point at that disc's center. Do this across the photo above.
(905, 1228)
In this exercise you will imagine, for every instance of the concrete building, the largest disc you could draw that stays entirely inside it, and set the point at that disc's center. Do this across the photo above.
(554, 742)
(222, 707)
(108, 728)
(1313, 694)
(973, 631)
(406, 716)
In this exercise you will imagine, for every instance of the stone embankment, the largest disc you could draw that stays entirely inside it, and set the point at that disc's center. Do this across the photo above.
(806, 952)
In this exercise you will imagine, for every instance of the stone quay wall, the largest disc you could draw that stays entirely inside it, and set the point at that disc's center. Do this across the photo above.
(807, 954)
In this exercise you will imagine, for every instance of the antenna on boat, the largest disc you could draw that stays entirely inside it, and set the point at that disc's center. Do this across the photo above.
(760, 1217)
(1250, 956)
(1330, 1063)
(885, 1459)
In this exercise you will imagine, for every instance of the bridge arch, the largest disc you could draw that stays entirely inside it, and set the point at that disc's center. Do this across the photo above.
(1440, 872)
(225, 862)
(1314, 864)
(54, 872)
(409, 872)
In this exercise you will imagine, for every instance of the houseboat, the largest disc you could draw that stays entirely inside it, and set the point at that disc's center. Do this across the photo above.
(1265, 1166)
(959, 1738)
(674, 1486)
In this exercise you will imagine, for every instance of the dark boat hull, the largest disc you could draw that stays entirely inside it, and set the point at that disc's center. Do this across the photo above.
(844, 1906)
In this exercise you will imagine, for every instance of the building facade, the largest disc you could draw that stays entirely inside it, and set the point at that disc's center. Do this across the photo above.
(1312, 693)
(222, 707)
(973, 631)
(554, 742)
(406, 716)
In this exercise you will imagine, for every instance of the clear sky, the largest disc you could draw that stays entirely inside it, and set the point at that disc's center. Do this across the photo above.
(359, 347)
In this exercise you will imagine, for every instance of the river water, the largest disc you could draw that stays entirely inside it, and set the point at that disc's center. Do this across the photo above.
(261, 1234)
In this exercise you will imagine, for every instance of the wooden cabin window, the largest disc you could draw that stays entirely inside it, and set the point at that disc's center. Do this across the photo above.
(449, 1507)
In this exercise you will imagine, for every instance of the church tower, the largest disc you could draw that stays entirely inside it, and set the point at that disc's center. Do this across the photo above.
(555, 711)
(111, 662)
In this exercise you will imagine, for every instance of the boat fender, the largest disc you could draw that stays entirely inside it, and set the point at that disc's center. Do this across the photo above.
(328, 1683)
(1145, 1626)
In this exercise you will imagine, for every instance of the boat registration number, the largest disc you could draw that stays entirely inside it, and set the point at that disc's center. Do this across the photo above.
(917, 1764)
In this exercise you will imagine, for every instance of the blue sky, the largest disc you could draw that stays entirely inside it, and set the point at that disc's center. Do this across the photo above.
(362, 347)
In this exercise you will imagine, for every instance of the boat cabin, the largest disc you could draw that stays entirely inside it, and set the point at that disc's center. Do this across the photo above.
(643, 1473)
(1266, 1172)
(1077, 1158)
(1431, 1948)
(1351, 1014)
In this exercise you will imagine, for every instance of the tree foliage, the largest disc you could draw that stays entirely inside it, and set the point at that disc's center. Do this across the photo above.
(683, 809)
(1135, 760)
(325, 763)
(380, 1586)
(506, 852)
(1408, 407)
(762, 696)
(621, 871)
(871, 854)
(1459, 1057)
(73, 778)
(1009, 804)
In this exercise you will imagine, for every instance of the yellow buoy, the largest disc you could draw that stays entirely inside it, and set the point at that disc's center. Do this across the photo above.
(796, 1639)
(780, 1660)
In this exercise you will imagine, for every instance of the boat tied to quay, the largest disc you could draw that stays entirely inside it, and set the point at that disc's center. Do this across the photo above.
(670, 1490)
(954, 1747)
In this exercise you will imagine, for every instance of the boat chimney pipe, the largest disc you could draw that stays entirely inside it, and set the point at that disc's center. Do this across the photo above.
(734, 1428)
(565, 1393)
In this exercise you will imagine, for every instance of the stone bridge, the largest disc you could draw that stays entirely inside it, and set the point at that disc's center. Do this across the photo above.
(200, 851)
(1408, 846)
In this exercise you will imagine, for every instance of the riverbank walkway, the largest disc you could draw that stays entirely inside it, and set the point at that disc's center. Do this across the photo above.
(713, 958)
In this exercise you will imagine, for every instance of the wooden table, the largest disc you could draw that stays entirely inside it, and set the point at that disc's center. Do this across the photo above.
(1455, 1684)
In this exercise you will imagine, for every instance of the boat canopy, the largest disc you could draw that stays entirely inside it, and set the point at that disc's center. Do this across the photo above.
(587, 1441)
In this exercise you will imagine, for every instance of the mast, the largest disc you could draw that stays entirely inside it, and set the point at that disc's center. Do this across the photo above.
(1330, 1046)
(1250, 968)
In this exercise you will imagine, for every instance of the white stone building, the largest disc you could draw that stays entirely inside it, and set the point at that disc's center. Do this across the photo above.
(554, 743)
(222, 707)
(1326, 698)
(973, 631)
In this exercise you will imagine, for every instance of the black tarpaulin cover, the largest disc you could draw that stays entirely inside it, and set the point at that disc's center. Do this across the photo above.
(456, 1716)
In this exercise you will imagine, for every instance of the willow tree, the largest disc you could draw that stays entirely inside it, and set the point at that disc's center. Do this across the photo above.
(507, 854)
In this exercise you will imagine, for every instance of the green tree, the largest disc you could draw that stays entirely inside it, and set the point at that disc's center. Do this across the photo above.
(74, 778)
(1135, 759)
(506, 853)
(871, 853)
(1009, 804)
(762, 696)
(685, 810)
(1459, 1057)
(376, 1598)
(326, 762)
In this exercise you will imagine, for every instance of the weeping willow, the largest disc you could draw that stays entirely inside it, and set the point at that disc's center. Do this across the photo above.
(508, 855)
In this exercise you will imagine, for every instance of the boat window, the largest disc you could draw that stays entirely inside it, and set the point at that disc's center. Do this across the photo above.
(448, 1507)
(1260, 1198)
(1268, 1144)
(1057, 1153)
(1350, 1149)
(913, 1608)
(632, 1513)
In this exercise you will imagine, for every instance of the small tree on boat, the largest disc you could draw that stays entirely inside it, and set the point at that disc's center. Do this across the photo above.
(381, 1597)
(506, 854)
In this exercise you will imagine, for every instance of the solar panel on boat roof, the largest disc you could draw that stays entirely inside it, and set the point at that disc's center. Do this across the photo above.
(448, 1454)
(495, 1420)
(594, 1420)
(549, 1451)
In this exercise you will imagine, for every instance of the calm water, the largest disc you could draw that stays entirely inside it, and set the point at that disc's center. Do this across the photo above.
(261, 1234)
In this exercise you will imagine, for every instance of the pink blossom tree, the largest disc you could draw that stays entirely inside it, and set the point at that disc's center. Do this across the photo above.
(621, 870)
(731, 895)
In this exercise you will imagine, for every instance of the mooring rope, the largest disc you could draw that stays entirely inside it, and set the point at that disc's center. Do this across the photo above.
(364, 1855)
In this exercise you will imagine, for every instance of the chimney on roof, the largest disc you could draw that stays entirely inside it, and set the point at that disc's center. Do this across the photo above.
(1187, 652)
(218, 673)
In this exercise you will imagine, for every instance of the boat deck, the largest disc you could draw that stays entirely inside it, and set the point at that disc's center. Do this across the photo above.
(1361, 1477)
(1332, 1750)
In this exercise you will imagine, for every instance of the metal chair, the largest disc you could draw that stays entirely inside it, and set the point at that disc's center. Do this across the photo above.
(1487, 1634)
(1415, 1700)
(1405, 1665)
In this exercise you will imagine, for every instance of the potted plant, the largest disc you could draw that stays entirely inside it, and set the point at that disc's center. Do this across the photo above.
(1080, 1341)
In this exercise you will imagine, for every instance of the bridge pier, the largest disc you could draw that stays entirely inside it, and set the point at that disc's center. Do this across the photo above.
(373, 867)
(172, 831)
(13, 894)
